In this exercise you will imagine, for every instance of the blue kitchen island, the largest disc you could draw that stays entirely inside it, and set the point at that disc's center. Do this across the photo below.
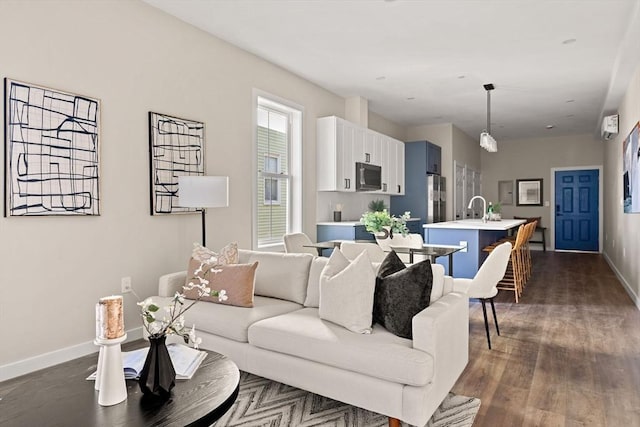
(476, 233)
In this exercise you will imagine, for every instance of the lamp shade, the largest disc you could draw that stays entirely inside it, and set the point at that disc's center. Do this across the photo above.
(488, 142)
(203, 191)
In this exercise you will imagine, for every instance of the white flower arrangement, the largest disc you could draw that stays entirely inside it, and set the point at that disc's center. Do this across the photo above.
(172, 316)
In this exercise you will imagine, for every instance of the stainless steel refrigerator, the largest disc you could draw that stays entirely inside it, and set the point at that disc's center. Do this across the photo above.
(436, 198)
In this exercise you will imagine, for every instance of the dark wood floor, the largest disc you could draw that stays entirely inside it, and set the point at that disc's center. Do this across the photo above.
(568, 354)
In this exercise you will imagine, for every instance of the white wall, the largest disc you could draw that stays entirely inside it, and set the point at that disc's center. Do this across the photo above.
(534, 158)
(135, 59)
(622, 245)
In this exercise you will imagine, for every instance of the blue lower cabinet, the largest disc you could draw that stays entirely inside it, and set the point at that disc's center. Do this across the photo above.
(465, 264)
(414, 226)
(327, 232)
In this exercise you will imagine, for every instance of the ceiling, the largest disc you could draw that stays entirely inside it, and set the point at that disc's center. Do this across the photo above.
(553, 62)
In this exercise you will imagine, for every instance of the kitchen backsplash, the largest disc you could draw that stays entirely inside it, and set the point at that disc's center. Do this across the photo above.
(353, 204)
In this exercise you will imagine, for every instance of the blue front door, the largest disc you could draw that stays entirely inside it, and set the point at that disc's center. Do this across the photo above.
(576, 216)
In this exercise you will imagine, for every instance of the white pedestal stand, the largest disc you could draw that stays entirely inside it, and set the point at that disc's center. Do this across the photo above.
(110, 374)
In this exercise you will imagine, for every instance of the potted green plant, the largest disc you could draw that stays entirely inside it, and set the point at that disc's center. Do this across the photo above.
(377, 205)
(384, 224)
(496, 212)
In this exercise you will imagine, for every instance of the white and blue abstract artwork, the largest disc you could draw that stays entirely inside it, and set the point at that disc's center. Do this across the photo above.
(51, 152)
(631, 171)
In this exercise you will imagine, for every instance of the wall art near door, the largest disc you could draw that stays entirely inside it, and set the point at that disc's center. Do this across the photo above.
(631, 171)
(529, 192)
(51, 151)
(176, 147)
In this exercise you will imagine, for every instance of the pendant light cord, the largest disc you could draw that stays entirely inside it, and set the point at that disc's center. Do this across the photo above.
(489, 111)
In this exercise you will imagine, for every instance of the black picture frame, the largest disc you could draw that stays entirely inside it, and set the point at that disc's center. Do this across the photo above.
(176, 147)
(529, 192)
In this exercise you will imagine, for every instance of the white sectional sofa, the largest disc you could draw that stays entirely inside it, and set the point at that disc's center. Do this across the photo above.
(283, 338)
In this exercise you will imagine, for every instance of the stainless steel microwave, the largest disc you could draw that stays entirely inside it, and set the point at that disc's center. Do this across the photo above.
(368, 177)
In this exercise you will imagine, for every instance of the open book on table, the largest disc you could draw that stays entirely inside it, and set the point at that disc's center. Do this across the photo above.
(186, 361)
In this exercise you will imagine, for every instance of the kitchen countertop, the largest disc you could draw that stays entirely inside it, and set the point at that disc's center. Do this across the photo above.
(353, 223)
(477, 224)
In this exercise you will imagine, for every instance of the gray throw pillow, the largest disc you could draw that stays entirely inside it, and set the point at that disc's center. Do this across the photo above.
(401, 293)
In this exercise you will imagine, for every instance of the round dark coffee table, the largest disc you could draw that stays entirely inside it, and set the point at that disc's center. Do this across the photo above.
(61, 396)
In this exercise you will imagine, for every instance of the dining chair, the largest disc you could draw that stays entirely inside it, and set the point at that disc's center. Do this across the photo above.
(294, 243)
(351, 250)
(484, 284)
(411, 240)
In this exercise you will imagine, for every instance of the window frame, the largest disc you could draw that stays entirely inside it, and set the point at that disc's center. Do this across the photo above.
(293, 179)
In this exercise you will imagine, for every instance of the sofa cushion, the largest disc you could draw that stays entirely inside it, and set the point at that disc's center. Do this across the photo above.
(380, 354)
(280, 275)
(401, 293)
(346, 292)
(229, 321)
(237, 280)
(313, 286)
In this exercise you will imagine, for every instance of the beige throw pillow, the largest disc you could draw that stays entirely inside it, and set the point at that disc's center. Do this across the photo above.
(238, 281)
(346, 292)
(227, 255)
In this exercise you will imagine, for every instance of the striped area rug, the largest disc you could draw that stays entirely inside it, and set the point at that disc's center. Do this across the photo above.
(266, 403)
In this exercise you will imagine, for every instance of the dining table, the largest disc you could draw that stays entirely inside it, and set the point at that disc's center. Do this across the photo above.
(432, 251)
(332, 244)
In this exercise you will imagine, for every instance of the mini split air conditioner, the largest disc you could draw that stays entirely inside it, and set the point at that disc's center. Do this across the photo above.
(609, 127)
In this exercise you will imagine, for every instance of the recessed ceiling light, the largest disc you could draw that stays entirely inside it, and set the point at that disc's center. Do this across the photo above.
(549, 126)
(571, 100)
(568, 41)
(411, 98)
(380, 78)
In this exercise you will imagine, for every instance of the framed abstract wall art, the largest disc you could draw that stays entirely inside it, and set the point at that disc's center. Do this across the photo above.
(176, 147)
(51, 151)
(631, 171)
(529, 192)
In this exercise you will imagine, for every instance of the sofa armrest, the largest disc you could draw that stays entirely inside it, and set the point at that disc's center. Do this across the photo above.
(442, 330)
(462, 285)
(447, 285)
(171, 283)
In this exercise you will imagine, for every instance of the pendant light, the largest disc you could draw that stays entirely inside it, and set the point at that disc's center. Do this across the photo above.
(486, 140)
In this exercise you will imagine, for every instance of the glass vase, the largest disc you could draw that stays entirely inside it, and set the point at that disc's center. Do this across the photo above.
(157, 377)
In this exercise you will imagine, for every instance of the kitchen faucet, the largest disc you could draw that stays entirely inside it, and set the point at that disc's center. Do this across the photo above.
(484, 206)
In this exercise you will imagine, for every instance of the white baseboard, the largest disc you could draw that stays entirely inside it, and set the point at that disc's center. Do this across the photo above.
(625, 284)
(55, 357)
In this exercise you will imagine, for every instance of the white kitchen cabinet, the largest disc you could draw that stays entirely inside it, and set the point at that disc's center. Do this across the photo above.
(335, 162)
(341, 144)
(399, 190)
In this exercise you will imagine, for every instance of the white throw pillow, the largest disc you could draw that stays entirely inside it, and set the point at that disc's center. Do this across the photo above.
(313, 287)
(346, 292)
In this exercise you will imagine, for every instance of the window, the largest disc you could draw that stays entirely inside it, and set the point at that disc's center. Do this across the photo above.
(277, 197)
(271, 185)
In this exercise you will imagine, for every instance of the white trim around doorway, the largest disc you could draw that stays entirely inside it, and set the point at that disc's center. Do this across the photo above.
(552, 204)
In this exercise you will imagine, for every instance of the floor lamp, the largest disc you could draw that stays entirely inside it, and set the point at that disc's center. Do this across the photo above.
(203, 192)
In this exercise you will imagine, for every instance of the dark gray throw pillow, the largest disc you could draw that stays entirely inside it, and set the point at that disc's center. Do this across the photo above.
(401, 293)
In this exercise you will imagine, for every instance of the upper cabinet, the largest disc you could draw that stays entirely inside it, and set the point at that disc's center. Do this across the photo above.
(335, 160)
(341, 144)
(434, 158)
